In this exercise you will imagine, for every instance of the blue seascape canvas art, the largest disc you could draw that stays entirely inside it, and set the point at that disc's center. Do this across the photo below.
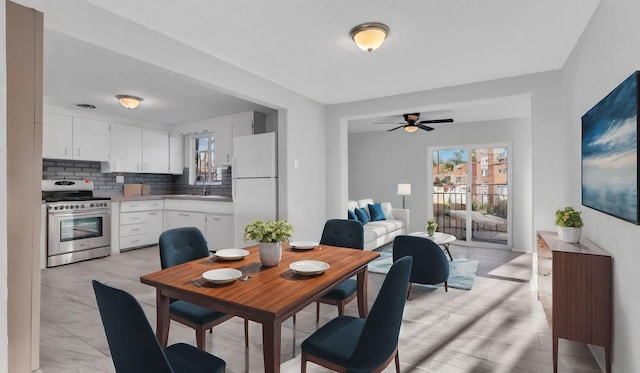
(610, 153)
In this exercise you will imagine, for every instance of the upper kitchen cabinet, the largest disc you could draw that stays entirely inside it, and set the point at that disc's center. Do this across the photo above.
(230, 126)
(126, 149)
(176, 155)
(155, 151)
(66, 137)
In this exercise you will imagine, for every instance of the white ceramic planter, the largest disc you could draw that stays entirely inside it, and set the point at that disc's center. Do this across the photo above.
(569, 234)
(270, 253)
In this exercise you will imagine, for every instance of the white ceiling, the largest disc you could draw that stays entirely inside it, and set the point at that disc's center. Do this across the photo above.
(304, 45)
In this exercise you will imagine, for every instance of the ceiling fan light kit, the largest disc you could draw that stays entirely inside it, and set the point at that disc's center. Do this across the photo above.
(369, 36)
(411, 123)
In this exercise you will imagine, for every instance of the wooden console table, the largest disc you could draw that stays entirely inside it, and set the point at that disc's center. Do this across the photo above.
(574, 286)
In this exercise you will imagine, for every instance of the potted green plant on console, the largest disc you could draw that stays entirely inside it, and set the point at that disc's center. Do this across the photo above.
(569, 224)
(431, 227)
(270, 235)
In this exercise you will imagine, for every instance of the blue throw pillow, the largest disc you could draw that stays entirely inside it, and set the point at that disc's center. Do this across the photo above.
(362, 215)
(352, 215)
(376, 212)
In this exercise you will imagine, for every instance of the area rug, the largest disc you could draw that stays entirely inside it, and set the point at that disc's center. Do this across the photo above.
(462, 272)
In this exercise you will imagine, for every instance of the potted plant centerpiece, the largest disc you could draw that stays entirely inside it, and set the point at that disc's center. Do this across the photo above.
(270, 235)
(431, 227)
(569, 224)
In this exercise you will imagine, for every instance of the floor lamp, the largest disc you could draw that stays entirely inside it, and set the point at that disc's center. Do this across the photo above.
(404, 190)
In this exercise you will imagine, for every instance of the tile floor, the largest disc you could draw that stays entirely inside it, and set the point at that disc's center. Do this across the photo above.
(498, 326)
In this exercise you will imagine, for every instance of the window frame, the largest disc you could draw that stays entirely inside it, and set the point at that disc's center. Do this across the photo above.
(193, 154)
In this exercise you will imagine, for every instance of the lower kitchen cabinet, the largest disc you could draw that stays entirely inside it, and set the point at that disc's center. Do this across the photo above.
(219, 231)
(178, 219)
(140, 223)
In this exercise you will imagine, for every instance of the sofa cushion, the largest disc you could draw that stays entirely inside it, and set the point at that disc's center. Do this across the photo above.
(351, 215)
(388, 210)
(362, 214)
(352, 205)
(375, 210)
(364, 202)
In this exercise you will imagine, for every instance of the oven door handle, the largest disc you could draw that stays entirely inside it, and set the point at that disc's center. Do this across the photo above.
(74, 213)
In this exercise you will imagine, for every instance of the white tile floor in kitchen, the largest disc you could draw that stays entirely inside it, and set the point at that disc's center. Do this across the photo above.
(498, 326)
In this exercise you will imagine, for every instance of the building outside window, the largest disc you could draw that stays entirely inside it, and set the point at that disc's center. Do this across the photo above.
(205, 161)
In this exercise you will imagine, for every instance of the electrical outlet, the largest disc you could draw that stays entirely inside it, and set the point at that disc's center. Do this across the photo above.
(120, 179)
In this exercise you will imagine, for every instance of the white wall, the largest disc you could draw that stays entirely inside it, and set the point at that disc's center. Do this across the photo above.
(605, 55)
(378, 161)
(4, 358)
(544, 184)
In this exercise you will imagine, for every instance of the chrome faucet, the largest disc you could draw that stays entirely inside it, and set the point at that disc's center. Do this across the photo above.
(204, 183)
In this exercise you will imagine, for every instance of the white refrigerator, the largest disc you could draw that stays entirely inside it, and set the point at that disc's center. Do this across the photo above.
(254, 176)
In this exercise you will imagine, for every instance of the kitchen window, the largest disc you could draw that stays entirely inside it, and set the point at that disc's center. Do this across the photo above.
(205, 161)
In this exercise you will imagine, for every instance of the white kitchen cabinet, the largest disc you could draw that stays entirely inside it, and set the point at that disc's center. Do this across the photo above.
(57, 136)
(66, 137)
(230, 126)
(219, 231)
(155, 151)
(141, 223)
(176, 154)
(179, 219)
(90, 139)
(125, 153)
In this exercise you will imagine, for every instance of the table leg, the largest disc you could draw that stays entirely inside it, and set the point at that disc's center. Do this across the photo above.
(271, 345)
(446, 248)
(162, 318)
(362, 277)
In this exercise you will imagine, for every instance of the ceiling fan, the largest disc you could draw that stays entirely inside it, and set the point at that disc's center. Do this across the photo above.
(411, 123)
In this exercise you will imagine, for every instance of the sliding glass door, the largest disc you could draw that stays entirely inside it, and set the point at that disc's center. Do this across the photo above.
(470, 193)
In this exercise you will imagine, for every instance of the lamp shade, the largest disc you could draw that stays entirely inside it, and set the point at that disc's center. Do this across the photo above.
(129, 102)
(410, 128)
(404, 189)
(369, 36)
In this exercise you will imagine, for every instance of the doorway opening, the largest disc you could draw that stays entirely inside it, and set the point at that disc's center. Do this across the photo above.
(470, 193)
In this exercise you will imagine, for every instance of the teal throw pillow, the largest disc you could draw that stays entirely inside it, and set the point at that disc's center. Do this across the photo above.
(352, 215)
(376, 212)
(362, 215)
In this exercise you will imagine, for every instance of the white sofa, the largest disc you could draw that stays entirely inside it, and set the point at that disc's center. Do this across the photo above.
(382, 232)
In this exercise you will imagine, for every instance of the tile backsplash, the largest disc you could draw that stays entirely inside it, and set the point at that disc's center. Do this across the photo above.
(105, 184)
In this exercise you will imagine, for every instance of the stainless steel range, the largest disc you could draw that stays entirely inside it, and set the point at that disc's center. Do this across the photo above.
(78, 224)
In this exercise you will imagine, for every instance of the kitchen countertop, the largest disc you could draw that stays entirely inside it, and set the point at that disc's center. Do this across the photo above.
(192, 197)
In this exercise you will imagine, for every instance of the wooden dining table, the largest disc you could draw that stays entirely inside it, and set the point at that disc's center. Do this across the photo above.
(269, 296)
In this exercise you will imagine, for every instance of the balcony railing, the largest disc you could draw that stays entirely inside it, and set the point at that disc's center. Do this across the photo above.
(488, 215)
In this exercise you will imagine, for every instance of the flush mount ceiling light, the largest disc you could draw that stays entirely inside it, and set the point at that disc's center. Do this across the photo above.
(130, 102)
(369, 36)
(411, 128)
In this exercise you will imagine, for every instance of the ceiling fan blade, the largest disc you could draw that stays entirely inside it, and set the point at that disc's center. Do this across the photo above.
(389, 123)
(426, 128)
(393, 129)
(436, 121)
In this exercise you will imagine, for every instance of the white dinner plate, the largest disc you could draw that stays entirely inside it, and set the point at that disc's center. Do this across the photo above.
(222, 275)
(304, 245)
(231, 254)
(308, 267)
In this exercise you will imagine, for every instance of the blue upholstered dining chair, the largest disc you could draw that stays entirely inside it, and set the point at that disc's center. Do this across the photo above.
(430, 265)
(181, 245)
(343, 233)
(355, 345)
(134, 347)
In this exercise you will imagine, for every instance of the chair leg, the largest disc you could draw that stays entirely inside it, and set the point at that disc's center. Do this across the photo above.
(317, 312)
(246, 333)
(200, 338)
(397, 361)
(303, 362)
(446, 286)
(409, 290)
(340, 309)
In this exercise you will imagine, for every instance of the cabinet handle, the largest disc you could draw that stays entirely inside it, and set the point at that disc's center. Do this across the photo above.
(228, 156)
(132, 241)
(137, 166)
(135, 229)
(184, 214)
(65, 151)
(153, 213)
(78, 152)
(135, 217)
(133, 205)
(217, 219)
